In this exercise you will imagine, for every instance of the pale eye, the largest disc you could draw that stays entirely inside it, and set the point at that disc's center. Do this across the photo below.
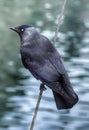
(22, 30)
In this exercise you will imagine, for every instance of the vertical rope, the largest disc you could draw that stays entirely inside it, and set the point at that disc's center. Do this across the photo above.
(42, 87)
(60, 20)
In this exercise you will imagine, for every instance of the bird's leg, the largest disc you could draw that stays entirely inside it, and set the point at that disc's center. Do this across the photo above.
(42, 87)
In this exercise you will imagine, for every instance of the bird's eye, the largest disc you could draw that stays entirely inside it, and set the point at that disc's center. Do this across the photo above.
(22, 30)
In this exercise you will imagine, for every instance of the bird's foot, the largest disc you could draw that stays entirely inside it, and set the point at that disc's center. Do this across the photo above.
(42, 87)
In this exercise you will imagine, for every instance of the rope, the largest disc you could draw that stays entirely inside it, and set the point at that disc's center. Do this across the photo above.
(60, 20)
(42, 87)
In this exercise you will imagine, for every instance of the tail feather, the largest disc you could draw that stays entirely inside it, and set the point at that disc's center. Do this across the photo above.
(61, 102)
(64, 95)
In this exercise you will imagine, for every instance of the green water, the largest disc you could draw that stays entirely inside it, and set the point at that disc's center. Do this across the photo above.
(18, 89)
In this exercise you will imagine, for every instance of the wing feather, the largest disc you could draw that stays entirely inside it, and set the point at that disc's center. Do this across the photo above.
(43, 60)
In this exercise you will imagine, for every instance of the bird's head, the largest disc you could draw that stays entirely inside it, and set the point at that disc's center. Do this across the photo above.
(26, 32)
(21, 29)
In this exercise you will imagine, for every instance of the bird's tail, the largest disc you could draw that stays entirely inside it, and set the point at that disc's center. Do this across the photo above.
(64, 95)
(62, 103)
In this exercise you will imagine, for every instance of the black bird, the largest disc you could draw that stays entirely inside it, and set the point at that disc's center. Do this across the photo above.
(42, 59)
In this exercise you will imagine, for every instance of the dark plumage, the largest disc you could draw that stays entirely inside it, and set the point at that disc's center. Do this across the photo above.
(42, 59)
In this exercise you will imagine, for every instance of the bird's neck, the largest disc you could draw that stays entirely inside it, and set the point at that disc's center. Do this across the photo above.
(29, 36)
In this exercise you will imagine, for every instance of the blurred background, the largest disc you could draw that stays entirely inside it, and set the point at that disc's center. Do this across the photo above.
(18, 89)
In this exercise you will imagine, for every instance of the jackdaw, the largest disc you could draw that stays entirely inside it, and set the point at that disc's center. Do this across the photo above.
(42, 59)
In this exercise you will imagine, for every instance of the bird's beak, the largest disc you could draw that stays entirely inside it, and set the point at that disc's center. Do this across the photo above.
(14, 29)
